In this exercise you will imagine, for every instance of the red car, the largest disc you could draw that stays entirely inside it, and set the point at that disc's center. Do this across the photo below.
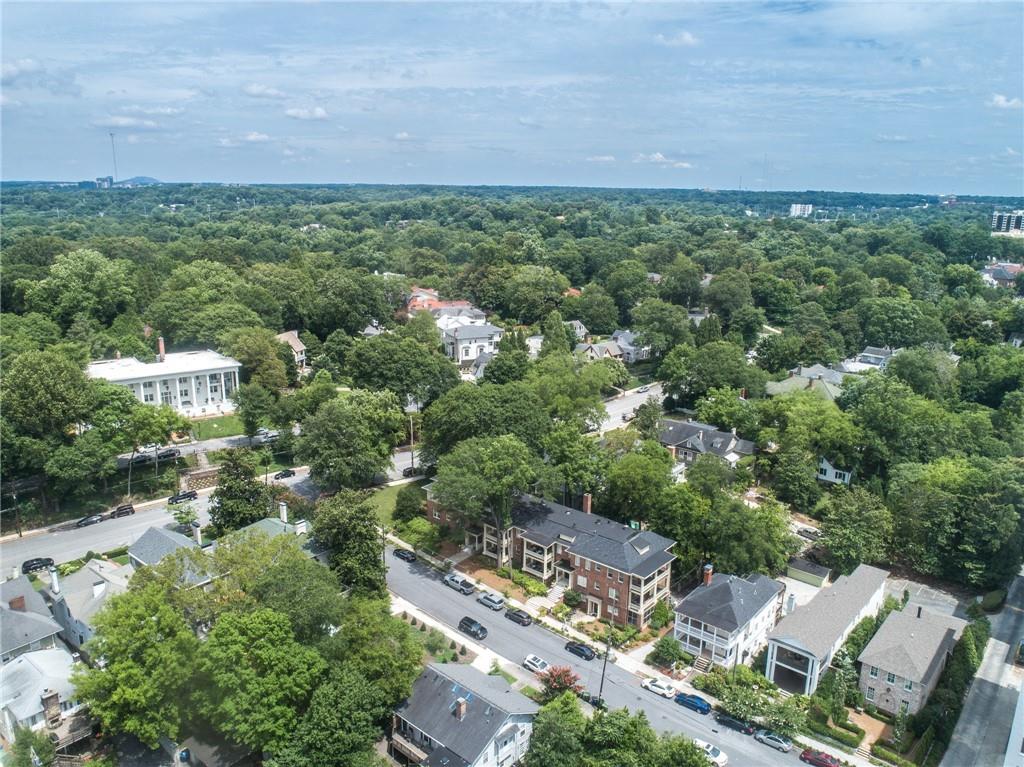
(819, 758)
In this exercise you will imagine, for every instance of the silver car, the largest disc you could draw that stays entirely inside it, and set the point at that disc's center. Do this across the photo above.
(492, 601)
(774, 740)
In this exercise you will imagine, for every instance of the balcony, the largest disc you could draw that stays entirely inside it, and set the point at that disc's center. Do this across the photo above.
(408, 748)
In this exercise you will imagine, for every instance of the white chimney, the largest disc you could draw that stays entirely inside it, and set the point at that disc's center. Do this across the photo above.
(197, 533)
(282, 510)
(54, 581)
(790, 603)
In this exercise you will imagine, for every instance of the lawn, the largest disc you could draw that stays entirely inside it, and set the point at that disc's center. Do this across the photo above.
(221, 426)
(383, 501)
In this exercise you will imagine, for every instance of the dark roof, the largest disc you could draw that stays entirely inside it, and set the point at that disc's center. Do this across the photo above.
(639, 552)
(468, 332)
(730, 602)
(702, 438)
(807, 566)
(156, 543)
(490, 701)
(212, 751)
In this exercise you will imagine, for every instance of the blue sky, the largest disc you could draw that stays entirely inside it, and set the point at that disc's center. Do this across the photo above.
(855, 96)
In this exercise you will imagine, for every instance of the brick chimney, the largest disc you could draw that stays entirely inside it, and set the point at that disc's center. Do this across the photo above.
(460, 708)
(161, 352)
(17, 604)
(588, 501)
(709, 571)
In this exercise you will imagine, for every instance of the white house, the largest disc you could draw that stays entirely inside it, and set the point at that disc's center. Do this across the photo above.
(802, 645)
(292, 340)
(727, 618)
(464, 343)
(631, 350)
(829, 473)
(459, 716)
(37, 691)
(76, 599)
(193, 383)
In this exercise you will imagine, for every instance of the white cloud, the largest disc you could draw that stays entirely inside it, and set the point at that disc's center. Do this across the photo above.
(255, 137)
(1011, 152)
(261, 91)
(657, 158)
(601, 158)
(680, 39)
(30, 73)
(141, 110)
(891, 138)
(227, 142)
(7, 101)
(529, 122)
(999, 101)
(14, 70)
(402, 136)
(315, 113)
(121, 121)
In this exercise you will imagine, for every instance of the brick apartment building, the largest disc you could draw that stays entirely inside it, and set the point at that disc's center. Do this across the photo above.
(621, 572)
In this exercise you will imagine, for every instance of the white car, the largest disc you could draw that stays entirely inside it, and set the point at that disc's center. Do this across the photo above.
(536, 664)
(717, 756)
(658, 687)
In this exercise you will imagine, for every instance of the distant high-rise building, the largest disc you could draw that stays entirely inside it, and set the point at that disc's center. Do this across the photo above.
(1006, 224)
(105, 182)
(797, 210)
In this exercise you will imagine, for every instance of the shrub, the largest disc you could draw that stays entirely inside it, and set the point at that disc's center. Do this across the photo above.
(842, 736)
(661, 616)
(559, 679)
(409, 503)
(462, 649)
(423, 627)
(714, 682)
(532, 586)
(993, 600)
(851, 727)
(572, 598)
(434, 642)
(890, 756)
(666, 652)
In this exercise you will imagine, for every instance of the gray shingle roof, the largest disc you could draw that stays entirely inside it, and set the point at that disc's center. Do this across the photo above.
(78, 593)
(640, 552)
(469, 332)
(817, 625)
(702, 438)
(730, 601)
(912, 645)
(273, 527)
(22, 587)
(490, 702)
(156, 543)
(20, 628)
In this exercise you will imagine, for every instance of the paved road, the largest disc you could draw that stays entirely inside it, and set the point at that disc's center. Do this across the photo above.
(615, 408)
(981, 735)
(69, 542)
(422, 586)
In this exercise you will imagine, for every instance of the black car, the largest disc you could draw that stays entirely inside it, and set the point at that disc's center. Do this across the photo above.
(409, 471)
(169, 454)
(32, 565)
(142, 458)
(472, 627)
(92, 519)
(734, 724)
(284, 474)
(184, 495)
(519, 616)
(581, 650)
(405, 554)
(124, 510)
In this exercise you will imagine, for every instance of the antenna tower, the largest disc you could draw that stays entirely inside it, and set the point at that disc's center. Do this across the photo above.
(113, 151)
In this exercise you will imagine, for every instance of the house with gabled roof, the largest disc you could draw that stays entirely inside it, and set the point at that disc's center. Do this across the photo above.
(599, 351)
(155, 544)
(726, 619)
(632, 350)
(901, 665)
(291, 339)
(819, 379)
(76, 598)
(687, 440)
(25, 621)
(457, 716)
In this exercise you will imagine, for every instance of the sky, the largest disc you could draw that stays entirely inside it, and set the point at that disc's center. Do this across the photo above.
(855, 96)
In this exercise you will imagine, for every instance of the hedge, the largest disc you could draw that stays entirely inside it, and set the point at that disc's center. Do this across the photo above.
(993, 600)
(844, 737)
(890, 756)
(851, 727)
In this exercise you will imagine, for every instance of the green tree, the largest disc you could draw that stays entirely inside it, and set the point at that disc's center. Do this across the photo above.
(408, 503)
(680, 282)
(594, 308)
(691, 373)
(350, 438)
(83, 282)
(405, 366)
(558, 733)
(481, 477)
(149, 656)
(507, 367)
(31, 748)
(728, 291)
(558, 339)
(260, 354)
(727, 409)
(786, 718)
(856, 527)
(682, 514)
(533, 291)
(742, 539)
(347, 526)
(628, 285)
(661, 325)
(635, 481)
(678, 751)
(254, 404)
(44, 394)
(257, 678)
(240, 499)
(648, 418)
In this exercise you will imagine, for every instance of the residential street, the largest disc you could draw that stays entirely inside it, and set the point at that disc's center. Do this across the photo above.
(981, 734)
(421, 585)
(617, 407)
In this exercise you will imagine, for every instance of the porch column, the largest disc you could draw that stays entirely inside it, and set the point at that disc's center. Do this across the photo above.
(810, 682)
(769, 670)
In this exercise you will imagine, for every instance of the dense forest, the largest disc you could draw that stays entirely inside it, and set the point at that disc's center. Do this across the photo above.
(934, 443)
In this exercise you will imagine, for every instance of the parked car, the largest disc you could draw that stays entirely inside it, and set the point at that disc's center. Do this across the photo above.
(124, 510)
(519, 616)
(405, 554)
(716, 755)
(39, 563)
(658, 687)
(472, 627)
(457, 582)
(535, 663)
(734, 724)
(150, 447)
(809, 533)
(644, 389)
(284, 474)
(818, 758)
(409, 471)
(184, 495)
(142, 458)
(92, 519)
(493, 601)
(628, 416)
(774, 740)
(581, 650)
(694, 703)
(169, 454)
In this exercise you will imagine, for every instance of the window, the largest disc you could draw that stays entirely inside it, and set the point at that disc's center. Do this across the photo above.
(904, 706)
(822, 471)
(597, 586)
(841, 476)
(620, 578)
(597, 568)
(873, 671)
(581, 581)
(890, 677)
(908, 686)
(612, 593)
(147, 384)
(587, 564)
(870, 694)
(148, 398)
(183, 381)
(437, 514)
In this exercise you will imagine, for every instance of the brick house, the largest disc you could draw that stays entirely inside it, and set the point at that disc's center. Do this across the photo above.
(622, 573)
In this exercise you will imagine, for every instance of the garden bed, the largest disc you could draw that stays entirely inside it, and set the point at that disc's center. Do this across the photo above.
(481, 569)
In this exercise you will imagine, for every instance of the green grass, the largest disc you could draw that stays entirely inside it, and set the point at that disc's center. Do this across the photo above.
(383, 501)
(497, 671)
(221, 426)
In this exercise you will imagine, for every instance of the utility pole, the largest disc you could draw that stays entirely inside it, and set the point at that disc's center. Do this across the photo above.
(604, 667)
(412, 446)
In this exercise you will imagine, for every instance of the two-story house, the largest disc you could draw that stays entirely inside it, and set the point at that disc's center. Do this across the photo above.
(727, 618)
(78, 597)
(292, 340)
(457, 716)
(688, 439)
(632, 351)
(832, 474)
(37, 693)
(464, 343)
(25, 621)
(621, 572)
(902, 663)
(802, 645)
